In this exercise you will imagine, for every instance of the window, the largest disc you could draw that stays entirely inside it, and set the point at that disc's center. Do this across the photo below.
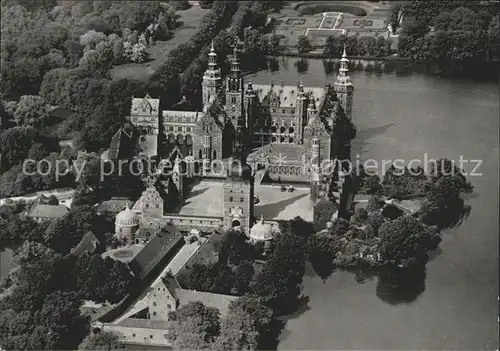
(154, 313)
(133, 335)
(293, 110)
(274, 110)
(147, 205)
(170, 129)
(283, 110)
(169, 305)
(157, 205)
(230, 199)
(154, 303)
(241, 199)
(233, 100)
(188, 129)
(151, 336)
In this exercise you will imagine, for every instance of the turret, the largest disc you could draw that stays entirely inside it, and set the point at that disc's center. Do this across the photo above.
(300, 112)
(177, 177)
(251, 109)
(311, 111)
(343, 86)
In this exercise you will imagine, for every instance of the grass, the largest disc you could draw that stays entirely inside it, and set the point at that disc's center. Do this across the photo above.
(158, 52)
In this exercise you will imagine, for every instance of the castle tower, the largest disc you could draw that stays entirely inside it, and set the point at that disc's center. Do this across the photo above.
(316, 174)
(212, 80)
(312, 113)
(145, 115)
(238, 197)
(177, 177)
(343, 86)
(235, 106)
(251, 110)
(300, 113)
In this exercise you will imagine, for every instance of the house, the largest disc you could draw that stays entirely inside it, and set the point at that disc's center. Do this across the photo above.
(42, 212)
(165, 243)
(88, 244)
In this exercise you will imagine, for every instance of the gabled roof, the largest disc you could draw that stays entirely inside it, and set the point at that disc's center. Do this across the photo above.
(123, 144)
(88, 244)
(47, 211)
(284, 95)
(155, 250)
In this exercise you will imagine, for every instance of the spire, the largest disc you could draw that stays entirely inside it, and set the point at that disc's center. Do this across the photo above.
(212, 48)
(344, 64)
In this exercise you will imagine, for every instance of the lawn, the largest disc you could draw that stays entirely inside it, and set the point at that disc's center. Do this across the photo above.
(190, 19)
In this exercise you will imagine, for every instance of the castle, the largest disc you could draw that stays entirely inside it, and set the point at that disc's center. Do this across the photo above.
(292, 129)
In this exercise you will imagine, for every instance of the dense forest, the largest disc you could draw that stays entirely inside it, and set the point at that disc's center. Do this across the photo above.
(459, 36)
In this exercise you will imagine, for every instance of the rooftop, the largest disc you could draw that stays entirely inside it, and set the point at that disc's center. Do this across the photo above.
(204, 199)
(284, 95)
(155, 250)
(47, 211)
(144, 323)
(88, 244)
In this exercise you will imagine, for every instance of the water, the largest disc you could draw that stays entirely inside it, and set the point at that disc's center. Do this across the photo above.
(457, 308)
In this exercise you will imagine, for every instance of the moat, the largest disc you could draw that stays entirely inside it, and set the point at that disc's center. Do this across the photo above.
(406, 116)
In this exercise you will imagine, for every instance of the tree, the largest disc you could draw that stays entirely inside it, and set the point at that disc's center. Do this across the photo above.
(180, 5)
(196, 327)
(103, 340)
(53, 200)
(243, 277)
(236, 247)
(304, 45)
(359, 217)
(87, 169)
(15, 143)
(273, 44)
(406, 240)
(374, 221)
(30, 111)
(333, 46)
(245, 324)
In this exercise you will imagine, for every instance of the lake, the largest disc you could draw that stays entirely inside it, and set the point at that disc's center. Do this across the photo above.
(407, 116)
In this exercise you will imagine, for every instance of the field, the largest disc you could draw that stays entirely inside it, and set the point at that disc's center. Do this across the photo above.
(190, 19)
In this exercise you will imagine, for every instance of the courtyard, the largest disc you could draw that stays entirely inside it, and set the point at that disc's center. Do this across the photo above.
(278, 205)
(204, 199)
